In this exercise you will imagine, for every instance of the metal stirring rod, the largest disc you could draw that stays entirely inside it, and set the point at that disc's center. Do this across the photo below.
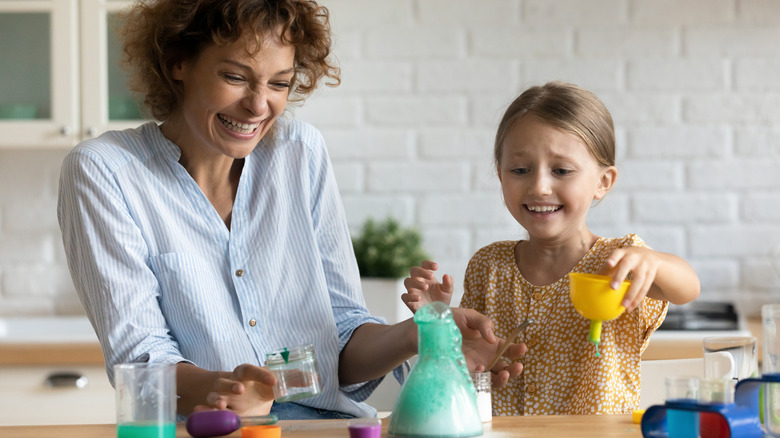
(509, 340)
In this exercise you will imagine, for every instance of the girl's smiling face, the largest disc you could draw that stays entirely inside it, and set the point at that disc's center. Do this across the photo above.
(549, 178)
(231, 96)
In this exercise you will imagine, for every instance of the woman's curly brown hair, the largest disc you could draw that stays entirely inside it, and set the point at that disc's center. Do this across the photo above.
(159, 34)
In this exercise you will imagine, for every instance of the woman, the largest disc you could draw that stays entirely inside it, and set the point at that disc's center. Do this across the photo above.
(218, 235)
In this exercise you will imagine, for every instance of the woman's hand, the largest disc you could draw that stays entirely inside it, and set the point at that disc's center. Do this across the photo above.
(249, 390)
(480, 346)
(423, 288)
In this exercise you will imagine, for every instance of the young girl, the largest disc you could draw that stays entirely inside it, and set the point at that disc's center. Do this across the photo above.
(554, 155)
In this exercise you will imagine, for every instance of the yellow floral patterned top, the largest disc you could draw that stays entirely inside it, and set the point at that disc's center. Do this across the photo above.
(561, 373)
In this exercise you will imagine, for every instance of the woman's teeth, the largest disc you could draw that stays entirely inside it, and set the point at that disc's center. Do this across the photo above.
(241, 128)
(543, 209)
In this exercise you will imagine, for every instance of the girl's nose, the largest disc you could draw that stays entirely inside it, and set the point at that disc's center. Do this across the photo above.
(541, 185)
(256, 101)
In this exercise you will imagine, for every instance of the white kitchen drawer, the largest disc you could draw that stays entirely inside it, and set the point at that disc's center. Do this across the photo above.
(26, 398)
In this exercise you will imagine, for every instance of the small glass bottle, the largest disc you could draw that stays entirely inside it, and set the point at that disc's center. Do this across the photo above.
(296, 372)
(484, 398)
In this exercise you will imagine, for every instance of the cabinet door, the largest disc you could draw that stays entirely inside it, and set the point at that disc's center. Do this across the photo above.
(107, 102)
(31, 395)
(39, 87)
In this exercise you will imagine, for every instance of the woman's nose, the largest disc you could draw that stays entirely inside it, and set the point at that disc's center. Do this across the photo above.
(256, 101)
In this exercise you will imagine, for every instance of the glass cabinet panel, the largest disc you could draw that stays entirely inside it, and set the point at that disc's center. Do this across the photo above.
(26, 54)
(122, 104)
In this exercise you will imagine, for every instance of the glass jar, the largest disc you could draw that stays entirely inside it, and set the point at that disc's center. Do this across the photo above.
(482, 382)
(296, 372)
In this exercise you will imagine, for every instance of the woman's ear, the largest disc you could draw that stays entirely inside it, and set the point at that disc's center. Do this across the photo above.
(177, 70)
(606, 181)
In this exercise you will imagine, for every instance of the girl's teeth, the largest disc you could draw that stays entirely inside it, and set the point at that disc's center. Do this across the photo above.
(542, 209)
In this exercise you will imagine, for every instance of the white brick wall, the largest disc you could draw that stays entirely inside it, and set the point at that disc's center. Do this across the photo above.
(693, 86)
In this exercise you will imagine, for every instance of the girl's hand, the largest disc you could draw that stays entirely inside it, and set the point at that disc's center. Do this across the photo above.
(248, 391)
(480, 346)
(641, 263)
(422, 287)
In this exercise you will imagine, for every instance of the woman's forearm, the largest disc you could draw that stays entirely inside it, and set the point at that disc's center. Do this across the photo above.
(376, 349)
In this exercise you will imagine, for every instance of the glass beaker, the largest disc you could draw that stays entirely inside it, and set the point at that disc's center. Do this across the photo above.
(145, 400)
(438, 398)
(770, 316)
(682, 423)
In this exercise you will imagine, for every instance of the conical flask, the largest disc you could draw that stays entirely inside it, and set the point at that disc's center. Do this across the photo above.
(438, 398)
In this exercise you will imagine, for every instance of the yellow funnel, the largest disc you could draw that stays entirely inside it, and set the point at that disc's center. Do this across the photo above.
(594, 298)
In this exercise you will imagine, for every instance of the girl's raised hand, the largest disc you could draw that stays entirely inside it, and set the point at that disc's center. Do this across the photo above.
(423, 288)
(641, 263)
(248, 391)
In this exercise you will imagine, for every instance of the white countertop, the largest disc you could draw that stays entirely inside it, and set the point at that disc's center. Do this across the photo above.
(48, 329)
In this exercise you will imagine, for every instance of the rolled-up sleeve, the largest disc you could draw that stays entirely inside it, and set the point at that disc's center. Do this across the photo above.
(114, 283)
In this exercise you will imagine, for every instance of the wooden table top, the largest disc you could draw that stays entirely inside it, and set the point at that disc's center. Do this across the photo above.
(583, 426)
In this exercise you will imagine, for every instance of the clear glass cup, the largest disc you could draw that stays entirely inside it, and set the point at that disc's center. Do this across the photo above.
(145, 400)
(716, 392)
(770, 315)
(296, 371)
(482, 382)
(681, 423)
(730, 357)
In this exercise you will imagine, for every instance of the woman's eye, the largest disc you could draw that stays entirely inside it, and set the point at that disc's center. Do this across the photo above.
(232, 78)
(281, 84)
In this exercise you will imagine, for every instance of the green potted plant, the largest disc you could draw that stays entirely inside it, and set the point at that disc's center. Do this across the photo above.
(385, 251)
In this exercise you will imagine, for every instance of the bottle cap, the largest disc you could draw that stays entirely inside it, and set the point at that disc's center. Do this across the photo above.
(365, 428)
(261, 432)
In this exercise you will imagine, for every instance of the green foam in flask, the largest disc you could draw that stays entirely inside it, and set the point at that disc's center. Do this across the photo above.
(438, 398)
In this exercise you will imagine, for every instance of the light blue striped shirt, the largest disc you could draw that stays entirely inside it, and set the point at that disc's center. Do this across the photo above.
(162, 278)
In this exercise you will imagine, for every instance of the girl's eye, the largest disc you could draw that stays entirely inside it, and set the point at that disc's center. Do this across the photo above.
(561, 172)
(520, 171)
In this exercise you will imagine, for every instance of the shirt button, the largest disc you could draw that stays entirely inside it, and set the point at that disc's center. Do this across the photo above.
(532, 342)
(239, 273)
(252, 322)
(538, 296)
(530, 388)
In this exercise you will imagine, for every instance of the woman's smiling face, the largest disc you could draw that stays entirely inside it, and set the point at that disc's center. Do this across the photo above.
(231, 96)
(549, 178)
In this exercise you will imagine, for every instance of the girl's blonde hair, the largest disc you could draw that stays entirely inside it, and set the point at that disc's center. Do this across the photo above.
(567, 107)
(159, 34)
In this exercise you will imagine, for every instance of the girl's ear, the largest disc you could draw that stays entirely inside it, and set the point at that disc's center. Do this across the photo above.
(606, 181)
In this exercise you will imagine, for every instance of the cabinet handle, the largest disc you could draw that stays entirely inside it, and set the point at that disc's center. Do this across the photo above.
(64, 379)
(92, 131)
(66, 130)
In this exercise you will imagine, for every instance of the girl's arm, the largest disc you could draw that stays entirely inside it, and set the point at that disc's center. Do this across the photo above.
(654, 274)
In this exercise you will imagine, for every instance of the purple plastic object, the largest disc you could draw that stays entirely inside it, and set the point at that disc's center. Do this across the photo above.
(365, 429)
(203, 424)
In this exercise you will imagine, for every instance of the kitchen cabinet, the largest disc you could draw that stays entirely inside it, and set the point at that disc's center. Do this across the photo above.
(52, 372)
(61, 77)
(72, 394)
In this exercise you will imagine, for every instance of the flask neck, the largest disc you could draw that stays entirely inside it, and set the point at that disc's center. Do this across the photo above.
(438, 338)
